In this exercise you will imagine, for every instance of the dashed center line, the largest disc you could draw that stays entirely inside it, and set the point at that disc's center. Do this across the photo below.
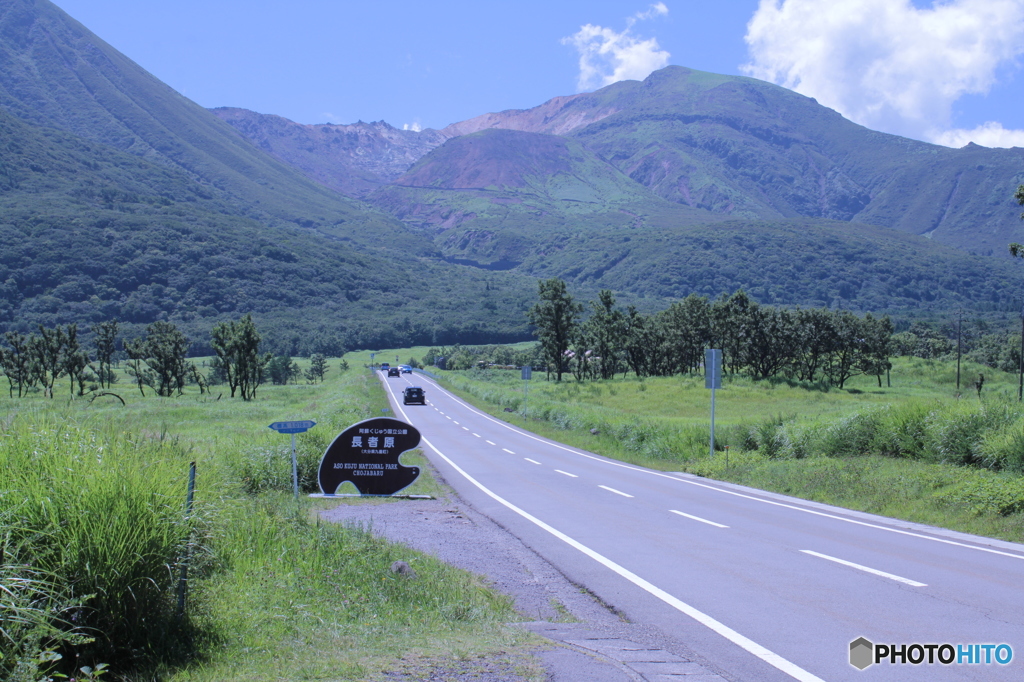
(697, 518)
(447, 417)
(873, 571)
(488, 442)
(463, 428)
(454, 422)
(508, 451)
(531, 460)
(475, 434)
(566, 473)
(613, 490)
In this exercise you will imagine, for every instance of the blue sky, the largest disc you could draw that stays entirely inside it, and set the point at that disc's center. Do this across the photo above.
(924, 70)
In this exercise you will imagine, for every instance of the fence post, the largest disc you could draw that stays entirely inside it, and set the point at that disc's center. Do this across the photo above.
(183, 579)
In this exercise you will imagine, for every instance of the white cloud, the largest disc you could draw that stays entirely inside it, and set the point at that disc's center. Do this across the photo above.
(607, 56)
(415, 127)
(991, 134)
(885, 63)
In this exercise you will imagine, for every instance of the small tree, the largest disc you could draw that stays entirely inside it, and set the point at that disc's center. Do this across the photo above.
(283, 369)
(166, 349)
(48, 351)
(17, 362)
(317, 368)
(137, 351)
(238, 358)
(555, 318)
(106, 345)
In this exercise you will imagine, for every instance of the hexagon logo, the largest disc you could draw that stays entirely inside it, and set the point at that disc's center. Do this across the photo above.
(862, 653)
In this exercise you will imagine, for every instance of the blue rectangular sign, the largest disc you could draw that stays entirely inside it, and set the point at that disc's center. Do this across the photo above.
(712, 368)
(293, 427)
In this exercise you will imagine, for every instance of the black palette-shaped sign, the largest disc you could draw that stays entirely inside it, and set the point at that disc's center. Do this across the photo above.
(367, 454)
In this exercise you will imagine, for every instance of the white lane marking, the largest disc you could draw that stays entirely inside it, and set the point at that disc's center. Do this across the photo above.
(613, 490)
(447, 417)
(697, 518)
(531, 460)
(488, 442)
(874, 571)
(508, 451)
(463, 428)
(475, 434)
(454, 422)
(566, 473)
(766, 655)
(660, 474)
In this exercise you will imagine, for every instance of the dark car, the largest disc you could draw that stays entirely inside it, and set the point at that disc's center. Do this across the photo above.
(414, 394)
(394, 372)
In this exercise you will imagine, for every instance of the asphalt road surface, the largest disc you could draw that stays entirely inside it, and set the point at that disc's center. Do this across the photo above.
(767, 587)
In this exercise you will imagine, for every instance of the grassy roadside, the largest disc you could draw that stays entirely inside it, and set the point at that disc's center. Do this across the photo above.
(274, 593)
(942, 448)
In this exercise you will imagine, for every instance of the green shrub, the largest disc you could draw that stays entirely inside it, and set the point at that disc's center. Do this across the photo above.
(851, 435)
(991, 494)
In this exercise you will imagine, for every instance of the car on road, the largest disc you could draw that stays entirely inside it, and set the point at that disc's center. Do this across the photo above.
(406, 369)
(394, 372)
(414, 394)
(385, 366)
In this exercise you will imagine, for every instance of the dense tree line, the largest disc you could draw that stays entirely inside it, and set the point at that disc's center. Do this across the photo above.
(809, 344)
(157, 359)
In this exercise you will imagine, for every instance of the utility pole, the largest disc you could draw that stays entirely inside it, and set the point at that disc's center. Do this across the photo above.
(959, 324)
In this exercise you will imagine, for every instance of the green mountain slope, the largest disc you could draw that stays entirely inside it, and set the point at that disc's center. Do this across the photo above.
(88, 233)
(752, 149)
(55, 72)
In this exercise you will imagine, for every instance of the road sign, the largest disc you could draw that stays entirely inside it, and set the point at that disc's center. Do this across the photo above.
(712, 368)
(527, 373)
(712, 380)
(292, 427)
(367, 455)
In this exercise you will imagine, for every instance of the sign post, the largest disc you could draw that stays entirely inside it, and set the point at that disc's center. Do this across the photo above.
(293, 428)
(712, 380)
(527, 373)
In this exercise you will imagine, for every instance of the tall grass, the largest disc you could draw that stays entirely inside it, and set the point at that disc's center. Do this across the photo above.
(92, 527)
(100, 515)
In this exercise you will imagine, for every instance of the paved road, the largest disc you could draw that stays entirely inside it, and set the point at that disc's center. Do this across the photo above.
(765, 586)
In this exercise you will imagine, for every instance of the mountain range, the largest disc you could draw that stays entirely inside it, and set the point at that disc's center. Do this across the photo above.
(123, 199)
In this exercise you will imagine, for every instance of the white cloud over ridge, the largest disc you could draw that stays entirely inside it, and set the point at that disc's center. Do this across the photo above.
(608, 56)
(888, 65)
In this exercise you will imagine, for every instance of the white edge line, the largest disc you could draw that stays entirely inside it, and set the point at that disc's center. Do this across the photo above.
(874, 571)
(613, 490)
(697, 518)
(566, 473)
(727, 492)
(769, 657)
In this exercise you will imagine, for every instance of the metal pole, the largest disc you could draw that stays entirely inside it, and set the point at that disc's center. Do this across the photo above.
(183, 578)
(1020, 389)
(295, 470)
(712, 422)
(959, 324)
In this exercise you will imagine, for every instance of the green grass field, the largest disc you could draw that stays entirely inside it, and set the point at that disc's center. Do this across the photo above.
(95, 512)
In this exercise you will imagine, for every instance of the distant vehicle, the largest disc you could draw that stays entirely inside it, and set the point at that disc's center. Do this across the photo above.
(406, 369)
(394, 372)
(385, 366)
(414, 394)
